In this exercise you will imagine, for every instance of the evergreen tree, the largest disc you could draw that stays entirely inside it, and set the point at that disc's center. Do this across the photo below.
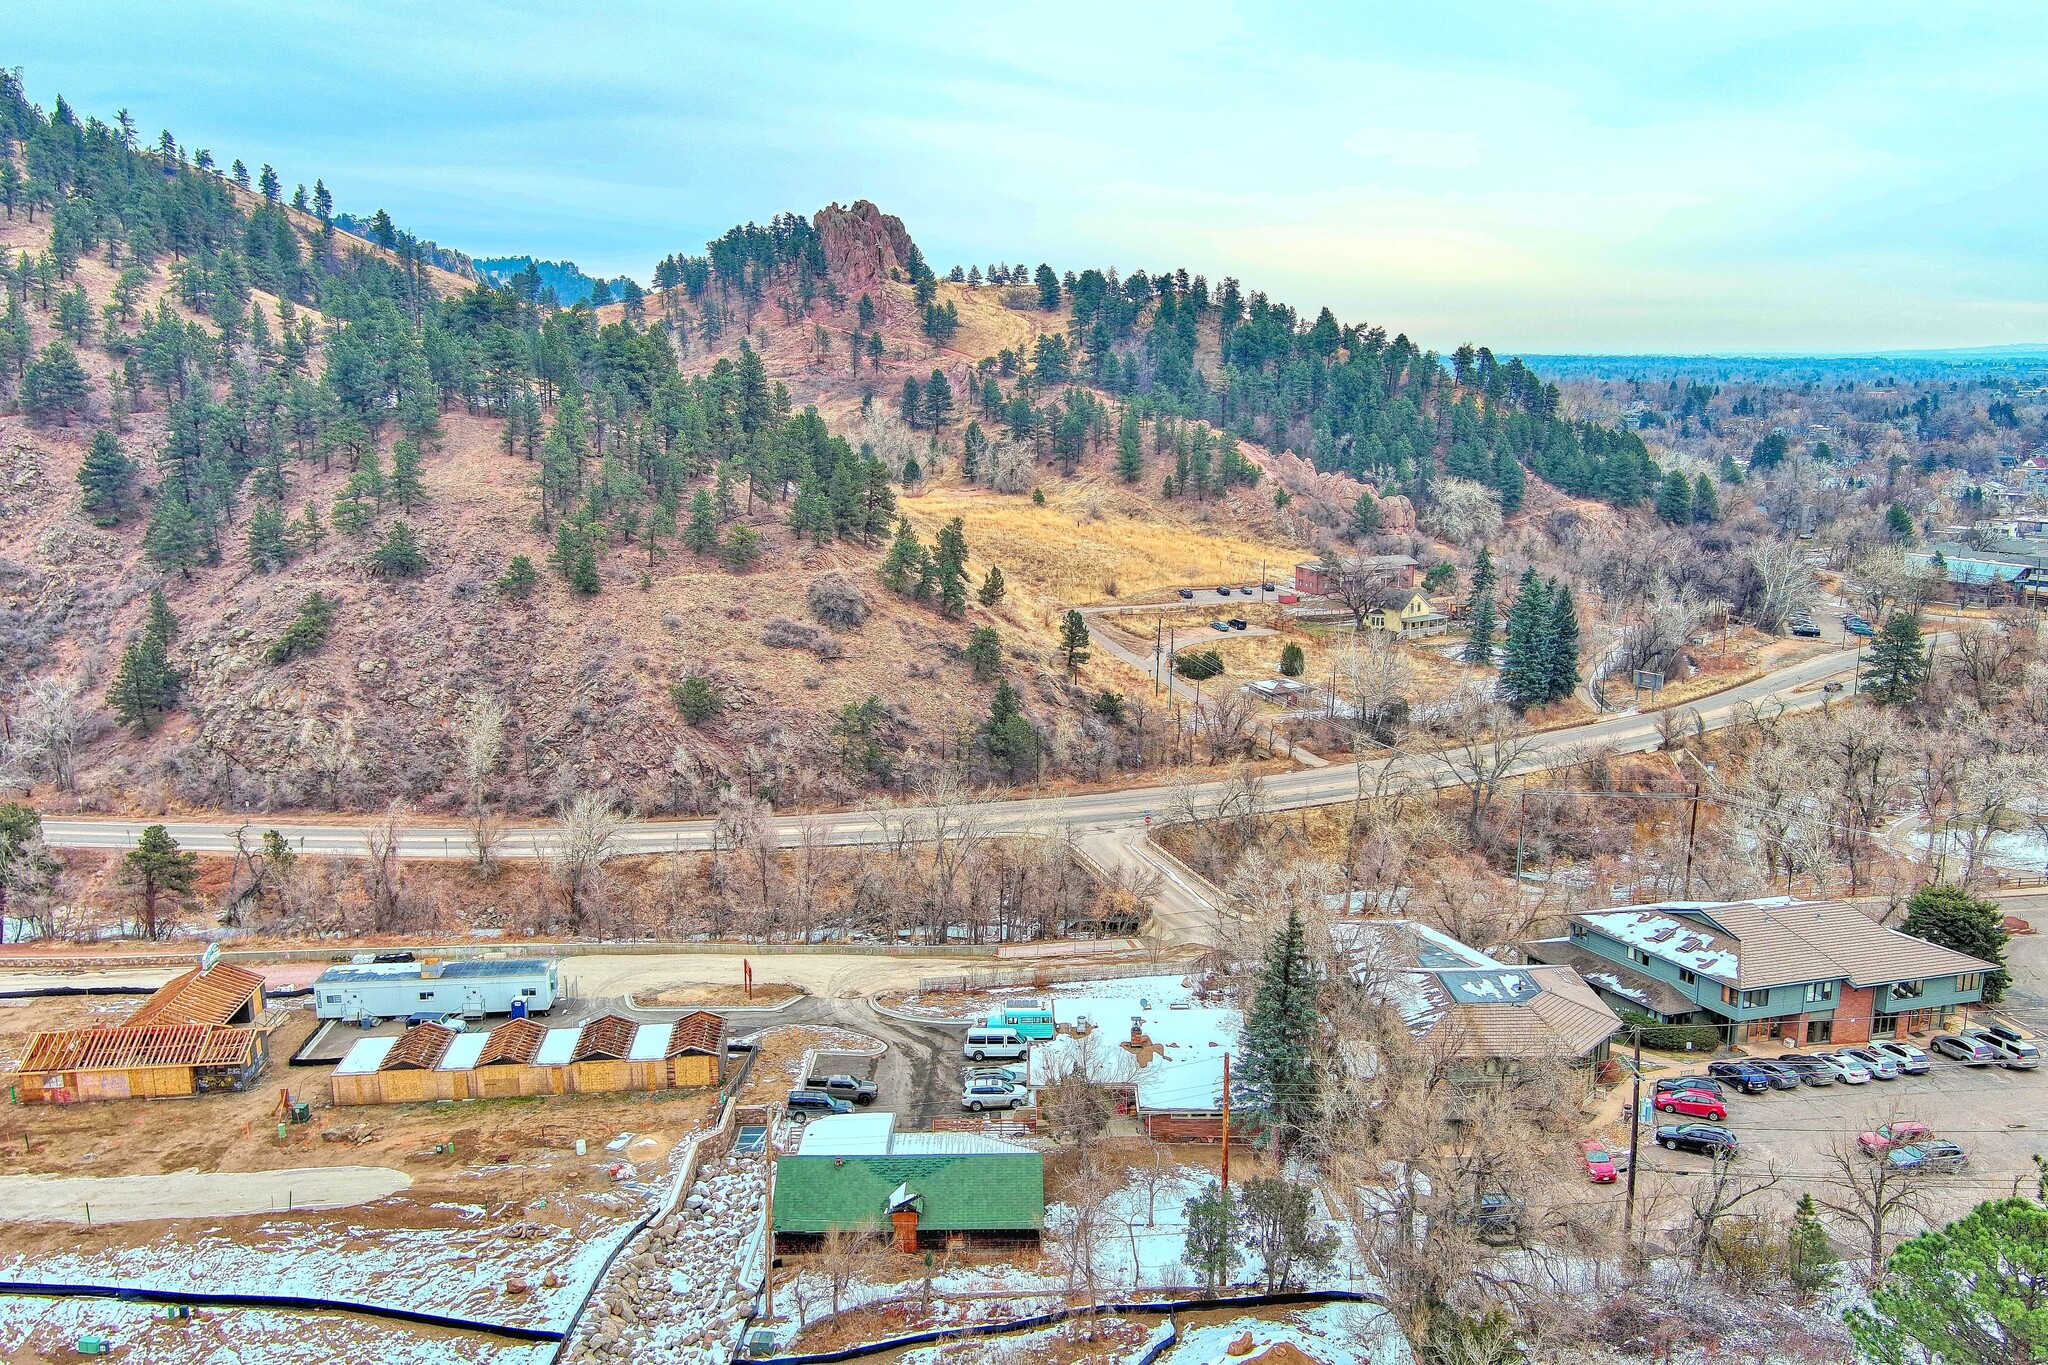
(1482, 625)
(405, 486)
(700, 536)
(1130, 448)
(1898, 661)
(992, 586)
(984, 653)
(949, 566)
(159, 621)
(1293, 661)
(1706, 502)
(1279, 1041)
(1674, 499)
(1366, 518)
(26, 867)
(520, 579)
(156, 866)
(912, 406)
(399, 555)
(1809, 1256)
(903, 567)
(1485, 574)
(1525, 666)
(307, 632)
(1213, 1246)
(54, 388)
(1563, 661)
(269, 546)
(1074, 641)
(973, 444)
(741, 548)
(145, 686)
(1008, 736)
(1952, 917)
(107, 478)
(174, 538)
(1898, 525)
(938, 401)
(1967, 1294)
(1048, 289)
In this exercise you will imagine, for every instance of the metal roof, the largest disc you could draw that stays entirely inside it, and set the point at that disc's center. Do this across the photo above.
(470, 969)
(463, 1052)
(365, 1057)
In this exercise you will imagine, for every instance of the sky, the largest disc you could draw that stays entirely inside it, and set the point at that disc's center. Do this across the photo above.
(1538, 177)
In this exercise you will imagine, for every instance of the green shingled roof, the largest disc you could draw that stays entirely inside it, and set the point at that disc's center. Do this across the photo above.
(974, 1192)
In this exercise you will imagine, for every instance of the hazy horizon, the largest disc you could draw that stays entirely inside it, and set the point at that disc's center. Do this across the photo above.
(1584, 179)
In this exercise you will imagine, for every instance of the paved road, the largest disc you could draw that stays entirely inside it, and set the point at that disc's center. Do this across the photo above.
(1795, 686)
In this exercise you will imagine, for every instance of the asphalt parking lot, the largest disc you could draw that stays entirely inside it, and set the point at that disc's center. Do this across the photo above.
(1999, 1117)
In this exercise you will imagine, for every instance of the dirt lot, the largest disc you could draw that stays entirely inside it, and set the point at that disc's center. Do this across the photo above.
(702, 996)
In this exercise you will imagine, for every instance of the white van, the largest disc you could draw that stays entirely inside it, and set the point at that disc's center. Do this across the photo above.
(1004, 1044)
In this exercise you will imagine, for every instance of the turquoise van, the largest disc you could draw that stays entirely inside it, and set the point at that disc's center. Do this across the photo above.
(1030, 1018)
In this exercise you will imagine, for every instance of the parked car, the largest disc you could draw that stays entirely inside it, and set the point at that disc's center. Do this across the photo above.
(1238, 623)
(1014, 1074)
(445, 1020)
(1810, 1069)
(1741, 1075)
(1599, 1162)
(1674, 1083)
(1705, 1138)
(980, 1095)
(809, 1102)
(1912, 1061)
(1804, 629)
(1694, 1104)
(1847, 1069)
(1187, 594)
(1831, 685)
(846, 1088)
(1498, 1217)
(2013, 1051)
(1968, 1051)
(1222, 591)
(1247, 590)
(1856, 625)
(1889, 1135)
(1003, 1044)
(1933, 1155)
(1783, 1076)
(2011, 1035)
(1268, 587)
(1880, 1067)
(1223, 626)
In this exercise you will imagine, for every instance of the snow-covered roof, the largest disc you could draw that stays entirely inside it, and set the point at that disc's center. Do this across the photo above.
(650, 1043)
(1682, 942)
(366, 1056)
(558, 1047)
(1193, 1086)
(463, 1052)
(874, 1134)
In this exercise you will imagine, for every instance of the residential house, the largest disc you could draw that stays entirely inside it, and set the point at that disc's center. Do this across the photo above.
(1313, 576)
(2010, 572)
(1490, 1015)
(856, 1174)
(1407, 612)
(1770, 968)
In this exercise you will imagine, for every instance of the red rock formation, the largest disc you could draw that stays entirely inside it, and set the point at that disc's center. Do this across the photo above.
(862, 244)
(1397, 514)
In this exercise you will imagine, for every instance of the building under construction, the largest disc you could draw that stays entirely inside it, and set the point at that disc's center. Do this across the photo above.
(194, 1036)
(525, 1057)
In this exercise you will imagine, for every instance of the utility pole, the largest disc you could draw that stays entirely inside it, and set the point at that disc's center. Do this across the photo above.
(1635, 1118)
(1158, 640)
(1226, 1123)
(1692, 828)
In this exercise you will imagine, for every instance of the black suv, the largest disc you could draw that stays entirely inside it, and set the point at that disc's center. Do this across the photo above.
(1707, 1139)
(1749, 1079)
(1807, 1069)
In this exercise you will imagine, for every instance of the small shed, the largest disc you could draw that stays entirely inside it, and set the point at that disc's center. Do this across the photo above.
(523, 1057)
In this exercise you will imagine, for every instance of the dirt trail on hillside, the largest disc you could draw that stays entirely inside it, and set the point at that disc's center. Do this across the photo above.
(192, 1194)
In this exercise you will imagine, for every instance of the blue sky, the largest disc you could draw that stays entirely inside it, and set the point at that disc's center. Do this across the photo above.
(1536, 177)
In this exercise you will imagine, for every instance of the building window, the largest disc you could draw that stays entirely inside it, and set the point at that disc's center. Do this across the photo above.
(426, 995)
(1968, 981)
(528, 990)
(1819, 992)
(1820, 1030)
(1884, 1026)
(1753, 999)
(1908, 990)
(1638, 956)
(1729, 995)
(1687, 977)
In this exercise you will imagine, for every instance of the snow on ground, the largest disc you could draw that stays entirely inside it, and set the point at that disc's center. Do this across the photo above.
(680, 1294)
(1336, 1333)
(49, 1329)
(458, 1271)
(1113, 1338)
(191, 1194)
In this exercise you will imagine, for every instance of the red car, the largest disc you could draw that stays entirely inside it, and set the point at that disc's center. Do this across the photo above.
(1890, 1135)
(1599, 1162)
(1697, 1104)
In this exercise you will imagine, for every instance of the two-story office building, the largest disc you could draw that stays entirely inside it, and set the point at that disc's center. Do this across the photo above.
(1772, 968)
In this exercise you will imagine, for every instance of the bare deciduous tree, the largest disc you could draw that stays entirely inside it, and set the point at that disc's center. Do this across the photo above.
(1718, 1195)
(480, 746)
(1484, 746)
(1872, 1196)
(587, 838)
(1784, 586)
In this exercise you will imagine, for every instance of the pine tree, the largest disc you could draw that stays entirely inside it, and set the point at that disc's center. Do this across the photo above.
(1562, 664)
(1293, 660)
(307, 632)
(741, 548)
(145, 686)
(938, 401)
(1130, 448)
(269, 547)
(1280, 1033)
(1674, 499)
(1809, 1256)
(1898, 661)
(1525, 666)
(992, 586)
(55, 388)
(1480, 614)
(949, 568)
(984, 653)
(155, 866)
(903, 567)
(1952, 917)
(1706, 502)
(1008, 736)
(700, 536)
(107, 478)
(405, 486)
(399, 555)
(1366, 518)
(174, 538)
(159, 621)
(1898, 525)
(520, 578)
(1074, 641)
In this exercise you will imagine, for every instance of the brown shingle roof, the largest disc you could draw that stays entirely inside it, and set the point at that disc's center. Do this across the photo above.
(196, 997)
(700, 1032)
(1815, 940)
(420, 1049)
(131, 1047)
(607, 1039)
(513, 1043)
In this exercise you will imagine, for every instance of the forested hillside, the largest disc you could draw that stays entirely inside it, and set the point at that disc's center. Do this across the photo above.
(301, 518)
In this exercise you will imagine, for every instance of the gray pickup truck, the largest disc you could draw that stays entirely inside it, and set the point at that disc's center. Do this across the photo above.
(845, 1088)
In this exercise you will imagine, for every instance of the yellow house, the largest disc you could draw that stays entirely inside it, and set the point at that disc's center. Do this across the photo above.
(1407, 612)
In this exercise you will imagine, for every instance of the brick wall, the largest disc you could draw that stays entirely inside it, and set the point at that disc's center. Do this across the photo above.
(1852, 1014)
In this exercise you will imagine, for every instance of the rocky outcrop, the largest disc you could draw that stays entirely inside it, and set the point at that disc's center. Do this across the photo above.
(1397, 514)
(862, 244)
